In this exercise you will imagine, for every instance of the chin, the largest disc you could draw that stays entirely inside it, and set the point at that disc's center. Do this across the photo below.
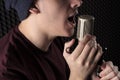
(69, 34)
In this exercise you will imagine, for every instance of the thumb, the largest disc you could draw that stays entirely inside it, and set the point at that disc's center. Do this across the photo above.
(67, 46)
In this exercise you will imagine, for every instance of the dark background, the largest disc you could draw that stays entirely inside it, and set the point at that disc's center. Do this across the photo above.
(107, 23)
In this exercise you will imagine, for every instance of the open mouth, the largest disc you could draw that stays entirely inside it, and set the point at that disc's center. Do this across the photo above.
(71, 19)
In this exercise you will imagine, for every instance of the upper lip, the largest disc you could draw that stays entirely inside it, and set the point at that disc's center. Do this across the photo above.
(72, 14)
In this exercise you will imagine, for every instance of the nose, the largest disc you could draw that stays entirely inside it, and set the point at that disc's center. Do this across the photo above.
(76, 3)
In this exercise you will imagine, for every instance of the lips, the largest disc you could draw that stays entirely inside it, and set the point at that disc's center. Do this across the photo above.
(72, 16)
(71, 20)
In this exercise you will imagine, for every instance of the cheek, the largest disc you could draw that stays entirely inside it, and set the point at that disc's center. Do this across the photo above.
(63, 2)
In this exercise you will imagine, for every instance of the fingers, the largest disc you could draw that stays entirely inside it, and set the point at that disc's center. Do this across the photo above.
(86, 51)
(110, 72)
(92, 54)
(77, 50)
(98, 55)
(85, 56)
(81, 46)
(107, 69)
(116, 75)
(111, 76)
(67, 47)
(115, 78)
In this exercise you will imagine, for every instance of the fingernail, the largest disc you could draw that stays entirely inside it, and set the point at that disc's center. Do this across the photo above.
(94, 38)
(100, 48)
(88, 36)
(95, 42)
(91, 43)
(95, 45)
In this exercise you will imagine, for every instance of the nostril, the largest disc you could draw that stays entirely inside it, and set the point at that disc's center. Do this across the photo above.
(76, 3)
(79, 3)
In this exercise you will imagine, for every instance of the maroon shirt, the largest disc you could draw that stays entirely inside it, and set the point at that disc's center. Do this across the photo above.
(21, 60)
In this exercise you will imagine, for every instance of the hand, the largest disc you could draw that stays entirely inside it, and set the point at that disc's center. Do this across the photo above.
(109, 72)
(84, 58)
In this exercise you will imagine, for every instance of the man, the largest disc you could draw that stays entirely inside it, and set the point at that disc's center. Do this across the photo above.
(34, 50)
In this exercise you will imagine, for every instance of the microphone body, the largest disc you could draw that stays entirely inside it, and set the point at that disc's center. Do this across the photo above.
(85, 26)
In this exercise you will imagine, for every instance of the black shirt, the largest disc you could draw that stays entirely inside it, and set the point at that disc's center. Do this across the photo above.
(21, 60)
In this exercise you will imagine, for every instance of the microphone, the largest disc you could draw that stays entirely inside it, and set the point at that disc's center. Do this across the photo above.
(85, 26)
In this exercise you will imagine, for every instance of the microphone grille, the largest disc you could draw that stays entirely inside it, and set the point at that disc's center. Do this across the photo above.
(85, 25)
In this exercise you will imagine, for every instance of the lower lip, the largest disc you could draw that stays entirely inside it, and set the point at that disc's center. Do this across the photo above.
(71, 23)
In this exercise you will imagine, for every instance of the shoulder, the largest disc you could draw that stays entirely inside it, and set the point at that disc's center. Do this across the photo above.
(6, 48)
(9, 64)
(5, 42)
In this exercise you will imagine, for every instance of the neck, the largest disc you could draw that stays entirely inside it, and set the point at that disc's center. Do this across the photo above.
(35, 34)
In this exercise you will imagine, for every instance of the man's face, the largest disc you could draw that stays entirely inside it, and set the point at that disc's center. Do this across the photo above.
(59, 15)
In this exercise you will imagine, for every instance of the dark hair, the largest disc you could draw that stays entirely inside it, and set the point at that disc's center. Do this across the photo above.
(33, 4)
